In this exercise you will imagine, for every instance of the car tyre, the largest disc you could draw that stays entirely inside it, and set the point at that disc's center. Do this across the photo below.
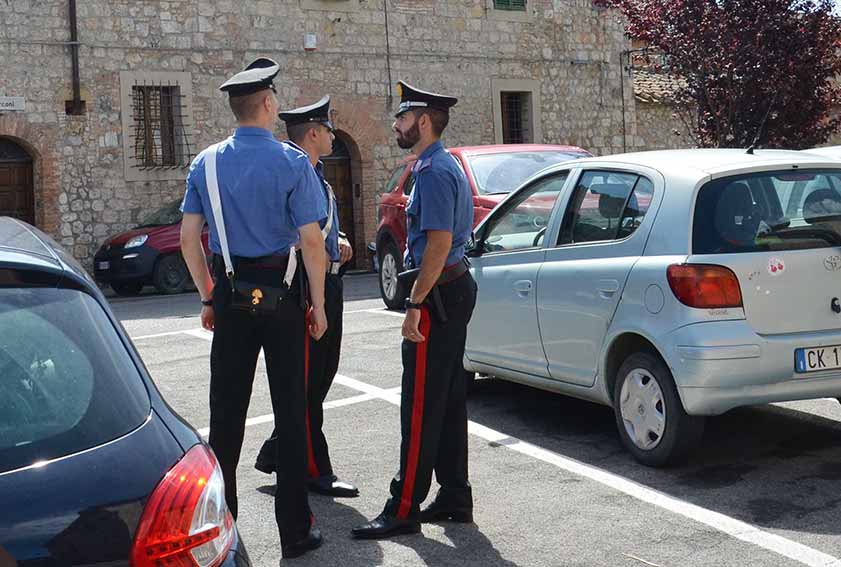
(127, 289)
(171, 274)
(391, 264)
(650, 417)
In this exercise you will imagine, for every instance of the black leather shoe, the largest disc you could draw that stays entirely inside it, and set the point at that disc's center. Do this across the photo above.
(312, 541)
(438, 512)
(264, 466)
(385, 526)
(331, 486)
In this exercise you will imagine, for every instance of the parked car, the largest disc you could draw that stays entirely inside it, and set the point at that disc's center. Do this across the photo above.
(492, 171)
(149, 254)
(670, 285)
(95, 468)
(828, 151)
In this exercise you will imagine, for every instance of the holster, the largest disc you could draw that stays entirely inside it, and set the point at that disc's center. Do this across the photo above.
(303, 282)
(257, 299)
(433, 301)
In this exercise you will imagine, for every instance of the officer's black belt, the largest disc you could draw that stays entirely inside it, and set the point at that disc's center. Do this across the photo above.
(453, 272)
(274, 261)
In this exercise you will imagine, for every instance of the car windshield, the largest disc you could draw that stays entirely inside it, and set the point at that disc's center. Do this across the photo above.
(170, 214)
(67, 382)
(783, 210)
(504, 172)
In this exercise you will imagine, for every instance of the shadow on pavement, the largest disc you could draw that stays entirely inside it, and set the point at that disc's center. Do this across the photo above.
(334, 519)
(469, 547)
(770, 466)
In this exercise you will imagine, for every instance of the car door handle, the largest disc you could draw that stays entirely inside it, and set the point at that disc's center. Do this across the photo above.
(523, 287)
(607, 288)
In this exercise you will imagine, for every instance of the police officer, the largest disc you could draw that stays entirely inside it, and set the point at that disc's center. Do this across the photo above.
(270, 200)
(433, 414)
(311, 131)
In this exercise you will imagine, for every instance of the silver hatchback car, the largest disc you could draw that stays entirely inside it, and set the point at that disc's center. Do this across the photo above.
(670, 285)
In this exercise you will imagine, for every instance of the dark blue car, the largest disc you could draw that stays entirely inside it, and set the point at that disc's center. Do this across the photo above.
(95, 467)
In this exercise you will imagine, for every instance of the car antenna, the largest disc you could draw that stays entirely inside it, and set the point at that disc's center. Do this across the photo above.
(762, 125)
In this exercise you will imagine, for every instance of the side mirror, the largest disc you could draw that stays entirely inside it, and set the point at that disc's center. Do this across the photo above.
(473, 248)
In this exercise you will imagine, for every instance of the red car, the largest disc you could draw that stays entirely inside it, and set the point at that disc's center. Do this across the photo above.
(148, 254)
(492, 171)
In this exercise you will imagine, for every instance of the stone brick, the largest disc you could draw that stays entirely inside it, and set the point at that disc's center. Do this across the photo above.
(454, 46)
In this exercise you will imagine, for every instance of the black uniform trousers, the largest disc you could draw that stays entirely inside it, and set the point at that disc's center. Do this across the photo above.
(237, 340)
(433, 410)
(322, 365)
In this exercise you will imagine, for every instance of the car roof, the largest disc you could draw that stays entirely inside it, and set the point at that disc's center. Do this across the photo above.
(515, 148)
(23, 245)
(706, 162)
(831, 151)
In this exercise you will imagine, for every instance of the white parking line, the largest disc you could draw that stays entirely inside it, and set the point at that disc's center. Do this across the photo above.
(731, 526)
(157, 335)
(380, 311)
(259, 420)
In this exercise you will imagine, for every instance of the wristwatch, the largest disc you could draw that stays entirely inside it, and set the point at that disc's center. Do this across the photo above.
(207, 302)
(409, 305)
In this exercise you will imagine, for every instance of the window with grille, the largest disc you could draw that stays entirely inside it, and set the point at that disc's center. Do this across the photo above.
(511, 5)
(516, 117)
(160, 138)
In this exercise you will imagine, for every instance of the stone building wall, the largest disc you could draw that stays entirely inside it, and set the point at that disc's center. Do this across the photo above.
(658, 127)
(454, 46)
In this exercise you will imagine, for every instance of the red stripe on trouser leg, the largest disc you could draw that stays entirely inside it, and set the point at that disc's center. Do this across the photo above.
(417, 419)
(312, 468)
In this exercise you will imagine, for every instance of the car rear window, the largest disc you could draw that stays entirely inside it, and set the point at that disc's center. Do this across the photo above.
(781, 210)
(67, 382)
(504, 172)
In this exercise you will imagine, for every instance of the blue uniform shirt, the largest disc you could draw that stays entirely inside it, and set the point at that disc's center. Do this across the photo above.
(332, 241)
(268, 191)
(441, 200)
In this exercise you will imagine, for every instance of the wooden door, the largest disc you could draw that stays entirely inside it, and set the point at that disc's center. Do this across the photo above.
(337, 174)
(16, 191)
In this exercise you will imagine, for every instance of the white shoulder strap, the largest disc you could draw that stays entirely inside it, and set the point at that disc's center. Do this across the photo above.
(292, 264)
(331, 200)
(216, 205)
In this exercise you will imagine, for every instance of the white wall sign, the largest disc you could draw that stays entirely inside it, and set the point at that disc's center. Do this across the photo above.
(12, 103)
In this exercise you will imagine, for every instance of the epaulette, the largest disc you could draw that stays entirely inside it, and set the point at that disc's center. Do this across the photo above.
(422, 164)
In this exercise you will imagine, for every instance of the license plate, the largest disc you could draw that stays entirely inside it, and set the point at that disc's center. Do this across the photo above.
(817, 359)
(103, 265)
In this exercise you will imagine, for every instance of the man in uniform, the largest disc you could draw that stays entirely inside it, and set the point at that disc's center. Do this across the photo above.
(433, 413)
(311, 131)
(270, 200)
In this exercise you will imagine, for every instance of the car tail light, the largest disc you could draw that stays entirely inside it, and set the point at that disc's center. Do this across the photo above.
(186, 522)
(705, 286)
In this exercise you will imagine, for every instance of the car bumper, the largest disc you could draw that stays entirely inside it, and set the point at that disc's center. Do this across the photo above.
(722, 365)
(237, 555)
(118, 264)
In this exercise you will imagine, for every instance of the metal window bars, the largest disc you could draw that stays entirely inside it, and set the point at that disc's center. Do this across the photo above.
(516, 118)
(160, 127)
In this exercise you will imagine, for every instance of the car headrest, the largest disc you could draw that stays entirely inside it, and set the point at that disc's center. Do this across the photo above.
(736, 215)
(819, 203)
(611, 198)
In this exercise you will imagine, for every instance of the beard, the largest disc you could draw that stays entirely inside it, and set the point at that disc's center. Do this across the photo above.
(408, 139)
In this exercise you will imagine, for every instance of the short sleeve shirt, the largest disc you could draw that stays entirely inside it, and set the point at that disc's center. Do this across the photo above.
(441, 200)
(268, 191)
(331, 243)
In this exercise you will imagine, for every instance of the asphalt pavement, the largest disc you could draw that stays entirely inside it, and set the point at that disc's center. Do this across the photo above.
(552, 483)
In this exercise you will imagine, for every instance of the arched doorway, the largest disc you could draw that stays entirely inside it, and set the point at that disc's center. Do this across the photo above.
(17, 196)
(337, 172)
